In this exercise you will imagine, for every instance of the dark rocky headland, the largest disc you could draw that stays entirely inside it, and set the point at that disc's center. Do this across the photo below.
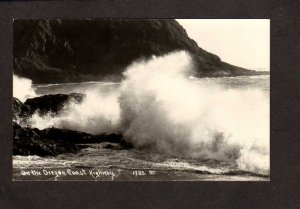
(57, 51)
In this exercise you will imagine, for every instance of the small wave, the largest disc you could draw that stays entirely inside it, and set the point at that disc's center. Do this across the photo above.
(76, 84)
(25, 162)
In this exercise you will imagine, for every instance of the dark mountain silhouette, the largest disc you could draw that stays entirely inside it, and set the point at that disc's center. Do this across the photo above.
(54, 51)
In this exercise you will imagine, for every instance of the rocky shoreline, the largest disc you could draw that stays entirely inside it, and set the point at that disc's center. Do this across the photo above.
(53, 141)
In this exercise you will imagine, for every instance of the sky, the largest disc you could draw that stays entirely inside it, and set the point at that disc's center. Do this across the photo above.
(241, 42)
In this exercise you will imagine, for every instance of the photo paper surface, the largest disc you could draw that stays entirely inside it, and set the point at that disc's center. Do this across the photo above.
(141, 100)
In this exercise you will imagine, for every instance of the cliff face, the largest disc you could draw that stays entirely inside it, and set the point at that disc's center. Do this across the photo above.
(52, 51)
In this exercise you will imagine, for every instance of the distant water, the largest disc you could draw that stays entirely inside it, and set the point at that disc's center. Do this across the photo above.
(68, 88)
(152, 164)
(260, 82)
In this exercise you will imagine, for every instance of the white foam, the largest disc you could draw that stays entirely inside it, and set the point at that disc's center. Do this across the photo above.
(22, 88)
(162, 108)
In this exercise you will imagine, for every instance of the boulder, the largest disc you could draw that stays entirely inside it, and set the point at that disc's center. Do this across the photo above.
(27, 141)
(54, 141)
(49, 104)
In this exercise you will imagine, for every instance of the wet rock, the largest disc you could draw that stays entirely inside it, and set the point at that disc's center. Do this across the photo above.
(17, 108)
(112, 146)
(54, 141)
(49, 104)
(27, 141)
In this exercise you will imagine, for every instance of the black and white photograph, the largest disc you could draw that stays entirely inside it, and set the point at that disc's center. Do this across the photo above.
(141, 99)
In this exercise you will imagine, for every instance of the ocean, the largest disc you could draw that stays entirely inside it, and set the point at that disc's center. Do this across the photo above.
(182, 128)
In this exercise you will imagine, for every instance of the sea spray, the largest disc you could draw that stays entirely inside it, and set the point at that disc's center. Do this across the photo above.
(22, 88)
(98, 113)
(162, 109)
(157, 107)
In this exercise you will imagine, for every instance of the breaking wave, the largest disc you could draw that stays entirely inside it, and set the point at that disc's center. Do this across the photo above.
(157, 107)
(22, 88)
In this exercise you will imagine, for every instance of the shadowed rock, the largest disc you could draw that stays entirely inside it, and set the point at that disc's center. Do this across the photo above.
(16, 108)
(52, 103)
(54, 141)
(27, 141)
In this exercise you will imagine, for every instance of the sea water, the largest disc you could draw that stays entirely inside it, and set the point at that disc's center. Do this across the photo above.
(182, 128)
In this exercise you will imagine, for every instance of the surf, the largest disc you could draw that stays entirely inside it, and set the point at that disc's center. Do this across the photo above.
(157, 107)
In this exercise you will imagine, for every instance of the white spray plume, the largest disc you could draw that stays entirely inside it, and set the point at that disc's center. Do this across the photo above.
(162, 109)
(99, 113)
(22, 88)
